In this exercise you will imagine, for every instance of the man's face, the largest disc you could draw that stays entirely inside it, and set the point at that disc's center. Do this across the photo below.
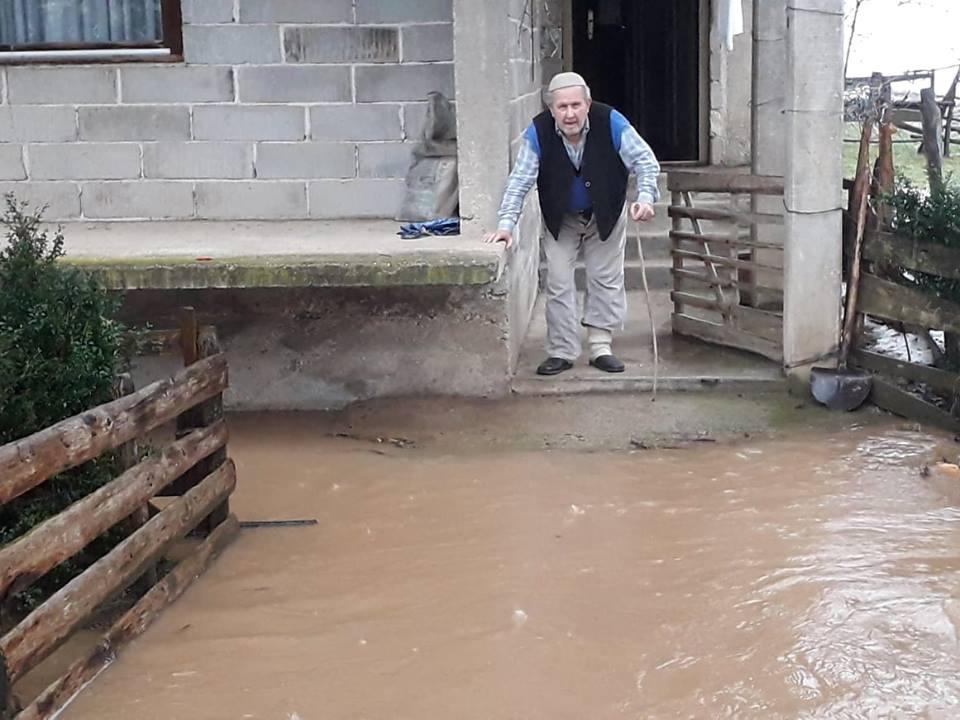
(569, 108)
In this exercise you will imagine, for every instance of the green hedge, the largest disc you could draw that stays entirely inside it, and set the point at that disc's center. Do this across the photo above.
(61, 349)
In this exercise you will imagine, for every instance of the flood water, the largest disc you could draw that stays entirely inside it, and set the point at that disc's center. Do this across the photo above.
(816, 577)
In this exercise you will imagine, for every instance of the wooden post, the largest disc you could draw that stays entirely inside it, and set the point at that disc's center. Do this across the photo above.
(885, 172)
(930, 112)
(950, 97)
(196, 346)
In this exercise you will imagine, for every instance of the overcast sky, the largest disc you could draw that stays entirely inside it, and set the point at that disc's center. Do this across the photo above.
(894, 36)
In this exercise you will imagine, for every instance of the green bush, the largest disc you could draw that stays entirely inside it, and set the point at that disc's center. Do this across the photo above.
(932, 217)
(60, 352)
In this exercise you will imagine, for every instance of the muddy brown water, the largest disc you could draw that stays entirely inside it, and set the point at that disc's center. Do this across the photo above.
(817, 577)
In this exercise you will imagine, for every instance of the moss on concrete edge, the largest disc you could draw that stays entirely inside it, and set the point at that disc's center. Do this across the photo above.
(174, 273)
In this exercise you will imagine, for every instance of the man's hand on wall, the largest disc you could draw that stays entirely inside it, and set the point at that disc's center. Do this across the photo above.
(504, 236)
(642, 211)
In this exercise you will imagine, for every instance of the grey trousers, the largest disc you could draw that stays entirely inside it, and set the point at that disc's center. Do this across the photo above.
(605, 300)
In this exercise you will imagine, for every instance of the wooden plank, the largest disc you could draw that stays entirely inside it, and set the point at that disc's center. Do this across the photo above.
(706, 280)
(721, 182)
(926, 257)
(743, 241)
(26, 463)
(888, 300)
(725, 335)
(676, 263)
(50, 624)
(744, 219)
(939, 380)
(725, 261)
(888, 396)
(54, 540)
(132, 624)
(765, 323)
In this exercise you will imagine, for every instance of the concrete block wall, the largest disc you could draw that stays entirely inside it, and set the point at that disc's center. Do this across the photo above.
(282, 109)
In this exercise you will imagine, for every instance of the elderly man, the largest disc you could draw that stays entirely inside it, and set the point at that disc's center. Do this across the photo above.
(580, 154)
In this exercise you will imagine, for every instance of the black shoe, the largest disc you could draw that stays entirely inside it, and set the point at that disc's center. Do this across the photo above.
(553, 366)
(608, 363)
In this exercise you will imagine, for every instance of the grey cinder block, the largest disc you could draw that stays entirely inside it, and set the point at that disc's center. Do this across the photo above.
(341, 44)
(355, 122)
(11, 163)
(428, 43)
(231, 44)
(84, 161)
(134, 123)
(262, 122)
(355, 198)
(146, 199)
(61, 85)
(176, 84)
(384, 160)
(206, 11)
(30, 123)
(62, 199)
(404, 11)
(294, 84)
(257, 199)
(403, 82)
(306, 160)
(296, 11)
(219, 160)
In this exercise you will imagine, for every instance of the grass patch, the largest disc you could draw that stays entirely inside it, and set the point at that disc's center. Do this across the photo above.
(907, 161)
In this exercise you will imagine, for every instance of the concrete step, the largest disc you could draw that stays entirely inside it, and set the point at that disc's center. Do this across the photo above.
(658, 275)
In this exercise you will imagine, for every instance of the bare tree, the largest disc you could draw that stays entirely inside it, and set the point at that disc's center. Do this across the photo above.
(855, 13)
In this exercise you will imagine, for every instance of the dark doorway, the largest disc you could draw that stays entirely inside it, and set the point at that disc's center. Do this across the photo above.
(643, 57)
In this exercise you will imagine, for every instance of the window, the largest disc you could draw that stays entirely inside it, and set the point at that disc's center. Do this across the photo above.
(58, 30)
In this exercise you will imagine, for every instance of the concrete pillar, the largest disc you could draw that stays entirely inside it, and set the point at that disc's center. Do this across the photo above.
(813, 183)
(769, 152)
(483, 92)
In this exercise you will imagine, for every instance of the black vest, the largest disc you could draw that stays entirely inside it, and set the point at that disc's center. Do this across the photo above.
(602, 172)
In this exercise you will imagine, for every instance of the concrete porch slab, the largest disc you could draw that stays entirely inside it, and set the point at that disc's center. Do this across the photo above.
(275, 254)
(685, 364)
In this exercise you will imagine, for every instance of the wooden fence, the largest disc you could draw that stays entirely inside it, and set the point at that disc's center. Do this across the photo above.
(722, 265)
(193, 466)
(907, 308)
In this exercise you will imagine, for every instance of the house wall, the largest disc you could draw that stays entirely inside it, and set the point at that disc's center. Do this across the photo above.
(281, 109)
(731, 86)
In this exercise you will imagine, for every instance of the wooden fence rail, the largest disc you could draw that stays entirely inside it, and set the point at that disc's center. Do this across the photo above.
(903, 306)
(194, 467)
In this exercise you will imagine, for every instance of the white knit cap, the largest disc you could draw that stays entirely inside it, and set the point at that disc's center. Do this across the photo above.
(565, 80)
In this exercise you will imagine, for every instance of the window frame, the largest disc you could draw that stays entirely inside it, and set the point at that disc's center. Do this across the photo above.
(168, 49)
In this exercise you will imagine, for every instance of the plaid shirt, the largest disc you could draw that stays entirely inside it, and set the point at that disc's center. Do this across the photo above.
(634, 152)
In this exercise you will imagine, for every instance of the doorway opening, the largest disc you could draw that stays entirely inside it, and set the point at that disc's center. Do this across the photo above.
(644, 57)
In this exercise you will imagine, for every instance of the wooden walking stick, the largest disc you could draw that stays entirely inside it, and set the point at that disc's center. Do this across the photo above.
(653, 327)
